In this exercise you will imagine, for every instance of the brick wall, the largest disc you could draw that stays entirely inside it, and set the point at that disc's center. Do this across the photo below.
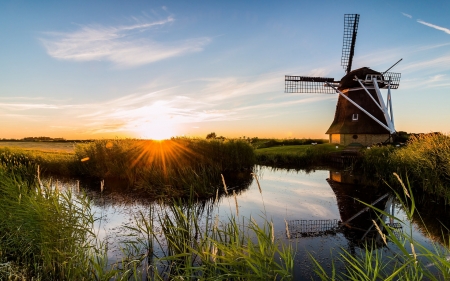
(364, 139)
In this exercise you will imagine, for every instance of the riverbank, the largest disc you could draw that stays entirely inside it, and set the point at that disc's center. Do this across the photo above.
(424, 160)
(176, 166)
(171, 168)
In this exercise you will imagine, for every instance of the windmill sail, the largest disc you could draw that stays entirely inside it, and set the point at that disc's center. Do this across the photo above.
(305, 84)
(348, 48)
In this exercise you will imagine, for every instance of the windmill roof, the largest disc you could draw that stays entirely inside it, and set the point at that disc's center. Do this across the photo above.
(348, 80)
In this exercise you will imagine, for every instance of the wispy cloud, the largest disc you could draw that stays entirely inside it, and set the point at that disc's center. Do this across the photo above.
(190, 102)
(407, 15)
(438, 63)
(124, 46)
(446, 30)
(28, 106)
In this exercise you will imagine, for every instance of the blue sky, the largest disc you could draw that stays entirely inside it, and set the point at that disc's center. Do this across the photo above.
(153, 69)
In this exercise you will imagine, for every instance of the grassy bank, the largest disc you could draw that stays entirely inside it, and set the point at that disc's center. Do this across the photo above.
(170, 167)
(295, 155)
(266, 143)
(425, 160)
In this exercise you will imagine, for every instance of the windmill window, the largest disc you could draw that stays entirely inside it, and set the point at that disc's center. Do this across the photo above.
(369, 77)
(355, 117)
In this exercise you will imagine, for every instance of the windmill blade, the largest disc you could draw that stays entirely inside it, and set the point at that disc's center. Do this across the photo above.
(394, 77)
(304, 84)
(348, 48)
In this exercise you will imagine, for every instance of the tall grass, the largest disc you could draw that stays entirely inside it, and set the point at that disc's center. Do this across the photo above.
(165, 167)
(209, 250)
(162, 168)
(425, 160)
(410, 260)
(46, 234)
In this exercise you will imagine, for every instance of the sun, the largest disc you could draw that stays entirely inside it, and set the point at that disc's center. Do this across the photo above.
(160, 130)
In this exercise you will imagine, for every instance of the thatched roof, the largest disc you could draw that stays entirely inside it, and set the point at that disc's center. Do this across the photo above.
(343, 120)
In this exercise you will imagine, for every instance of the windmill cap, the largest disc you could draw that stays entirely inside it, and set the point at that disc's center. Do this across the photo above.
(348, 81)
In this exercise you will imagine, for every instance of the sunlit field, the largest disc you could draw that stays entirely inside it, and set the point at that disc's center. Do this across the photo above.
(65, 147)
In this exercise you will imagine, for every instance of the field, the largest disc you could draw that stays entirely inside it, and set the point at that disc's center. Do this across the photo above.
(65, 147)
(295, 155)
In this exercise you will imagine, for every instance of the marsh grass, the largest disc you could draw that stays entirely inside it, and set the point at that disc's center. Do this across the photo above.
(207, 250)
(46, 234)
(425, 159)
(295, 155)
(162, 168)
(170, 167)
(409, 259)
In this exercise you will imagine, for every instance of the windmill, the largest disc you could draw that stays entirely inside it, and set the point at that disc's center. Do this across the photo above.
(361, 114)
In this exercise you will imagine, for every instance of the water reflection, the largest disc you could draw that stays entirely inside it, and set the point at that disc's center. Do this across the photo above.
(287, 196)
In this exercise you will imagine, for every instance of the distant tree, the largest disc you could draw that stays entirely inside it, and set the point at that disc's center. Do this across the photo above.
(211, 136)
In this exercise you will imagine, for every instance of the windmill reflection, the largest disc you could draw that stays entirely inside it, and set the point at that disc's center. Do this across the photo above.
(357, 220)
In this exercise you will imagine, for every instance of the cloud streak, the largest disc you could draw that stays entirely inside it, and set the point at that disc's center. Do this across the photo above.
(124, 46)
(407, 15)
(444, 29)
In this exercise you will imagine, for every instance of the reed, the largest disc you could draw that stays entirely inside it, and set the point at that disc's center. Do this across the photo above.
(46, 234)
(425, 159)
(208, 251)
(162, 168)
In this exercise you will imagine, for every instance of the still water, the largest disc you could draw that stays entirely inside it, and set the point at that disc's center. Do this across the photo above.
(308, 203)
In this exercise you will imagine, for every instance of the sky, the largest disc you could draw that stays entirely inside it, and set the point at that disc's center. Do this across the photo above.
(156, 69)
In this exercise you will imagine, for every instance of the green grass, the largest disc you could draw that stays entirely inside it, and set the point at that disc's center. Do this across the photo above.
(208, 251)
(48, 234)
(163, 168)
(297, 155)
(424, 159)
(265, 143)
(45, 234)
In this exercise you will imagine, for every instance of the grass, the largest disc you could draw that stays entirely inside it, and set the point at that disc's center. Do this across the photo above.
(162, 168)
(170, 167)
(208, 251)
(295, 155)
(62, 147)
(425, 159)
(266, 143)
(48, 234)
(45, 234)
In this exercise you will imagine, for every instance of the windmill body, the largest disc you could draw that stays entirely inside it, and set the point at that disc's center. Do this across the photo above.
(351, 124)
(362, 116)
